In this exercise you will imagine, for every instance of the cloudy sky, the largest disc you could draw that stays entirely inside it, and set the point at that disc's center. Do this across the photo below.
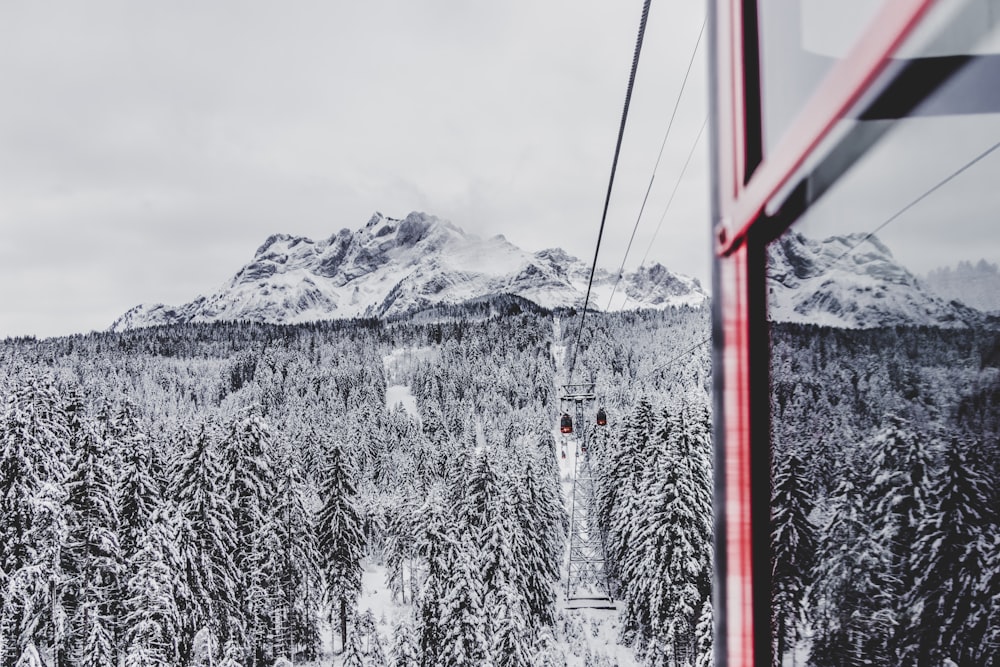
(147, 148)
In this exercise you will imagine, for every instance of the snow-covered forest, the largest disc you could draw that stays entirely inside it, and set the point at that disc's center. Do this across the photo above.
(886, 531)
(213, 493)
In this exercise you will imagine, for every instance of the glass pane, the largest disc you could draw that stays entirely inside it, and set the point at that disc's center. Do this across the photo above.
(884, 301)
(800, 41)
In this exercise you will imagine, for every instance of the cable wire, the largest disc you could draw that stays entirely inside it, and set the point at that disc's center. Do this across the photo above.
(670, 201)
(611, 180)
(916, 201)
(656, 166)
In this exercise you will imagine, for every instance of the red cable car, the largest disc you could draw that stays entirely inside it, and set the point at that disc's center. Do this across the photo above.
(837, 134)
(602, 417)
(565, 424)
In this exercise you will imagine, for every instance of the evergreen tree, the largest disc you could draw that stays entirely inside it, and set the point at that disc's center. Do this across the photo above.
(437, 545)
(207, 539)
(464, 639)
(299, 577)
(899, 491)
(98, 650)
(793, 548)
(251, 484)
(852, 617)
(404, 649)
(34, 433)
(952, 558)
(154, 612)
(704, 637)
(339, 535)
(91, 558)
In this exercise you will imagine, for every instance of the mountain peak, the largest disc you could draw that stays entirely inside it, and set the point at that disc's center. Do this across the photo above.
(393, 266)
(849, 281)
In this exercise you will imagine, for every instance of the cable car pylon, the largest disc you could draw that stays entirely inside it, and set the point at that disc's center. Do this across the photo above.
(587, 579)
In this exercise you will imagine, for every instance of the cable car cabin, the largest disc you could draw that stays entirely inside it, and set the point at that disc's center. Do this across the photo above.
(566, 424)
(855, 158)
(602, 417)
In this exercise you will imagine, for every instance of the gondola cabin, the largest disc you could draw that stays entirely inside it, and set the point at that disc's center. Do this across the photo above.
(566, 424)
(602, 417)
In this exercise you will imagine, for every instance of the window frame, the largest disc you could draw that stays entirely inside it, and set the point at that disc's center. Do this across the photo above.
(744, 182)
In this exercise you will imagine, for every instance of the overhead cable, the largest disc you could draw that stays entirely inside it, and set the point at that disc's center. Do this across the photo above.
(611, 180)
(663, 145)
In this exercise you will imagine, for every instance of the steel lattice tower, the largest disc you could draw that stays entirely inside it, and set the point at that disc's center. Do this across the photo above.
(587, 580)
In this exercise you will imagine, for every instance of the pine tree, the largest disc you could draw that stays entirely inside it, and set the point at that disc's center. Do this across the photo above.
(98, 650)
(299, 577)
(793, 548)
(207, 539)
(952, 558)
(404, 649)
(667, 572)
(899, 491)
(251, 483)
(354, 654)
(437, 545)
(154, 618)
(851, 615)
(463, 640)
(34, 432)
(91, 556)
(704, 637)
(339, 535)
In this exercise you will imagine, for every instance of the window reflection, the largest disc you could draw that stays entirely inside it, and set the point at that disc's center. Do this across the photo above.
(884, 308)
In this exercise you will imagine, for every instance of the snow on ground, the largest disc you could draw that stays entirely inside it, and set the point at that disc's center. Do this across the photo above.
(397, 394)
(396, 364)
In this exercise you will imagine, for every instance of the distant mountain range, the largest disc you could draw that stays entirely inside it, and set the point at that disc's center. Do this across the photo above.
(831, 282)
(976, 285)
(393, 266)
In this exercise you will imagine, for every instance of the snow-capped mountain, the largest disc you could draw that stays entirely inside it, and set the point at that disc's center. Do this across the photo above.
(392, 266)
(821, 282)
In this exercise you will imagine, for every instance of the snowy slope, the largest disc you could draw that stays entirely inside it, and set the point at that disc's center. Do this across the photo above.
(814, 281)
(392, 266)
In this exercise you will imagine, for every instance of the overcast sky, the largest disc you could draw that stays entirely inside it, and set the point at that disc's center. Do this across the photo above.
(148, 148)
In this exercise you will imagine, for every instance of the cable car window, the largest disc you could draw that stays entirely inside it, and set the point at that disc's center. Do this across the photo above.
(799, 42)
(884, 317)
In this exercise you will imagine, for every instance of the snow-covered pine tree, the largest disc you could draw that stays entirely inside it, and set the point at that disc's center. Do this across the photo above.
(98, 648)
(92, 562)
(511, 639)
(207, 539)
(618, 485)
(793, 548)
(339, 535)
(463, 614)
(851, 616)
(705, 637)
(667, 572)
(299, 576)
(538, 542)
(157, 596)
(900, 489)
(404, 649)
(139, 488)
(354, 652)
(33, 437)
(251, 484)
(437, 545)
(952, 558)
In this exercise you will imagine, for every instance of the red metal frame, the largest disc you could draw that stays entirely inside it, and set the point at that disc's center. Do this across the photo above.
(840, 90)
(739, 204)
